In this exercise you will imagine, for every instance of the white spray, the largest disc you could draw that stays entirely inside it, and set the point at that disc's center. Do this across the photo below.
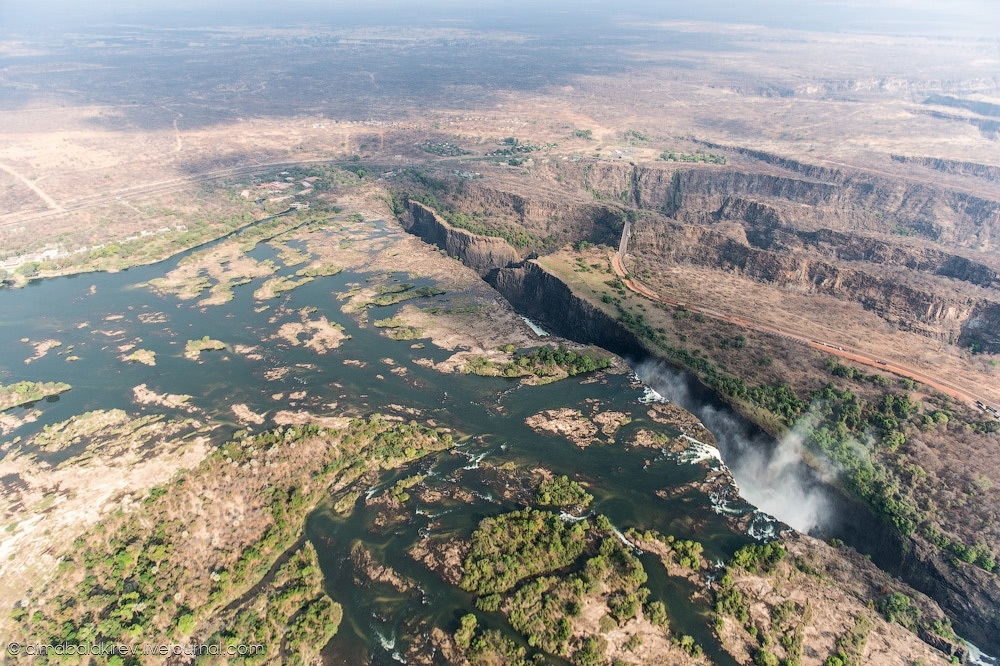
(774, 479)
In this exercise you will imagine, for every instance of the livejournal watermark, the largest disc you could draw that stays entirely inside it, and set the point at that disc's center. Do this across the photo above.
(16, 649)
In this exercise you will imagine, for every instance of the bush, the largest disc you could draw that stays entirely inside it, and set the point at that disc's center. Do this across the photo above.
(757, 557)
(656, 613)
(185, 624)
(465, 633)
(606, 624)
(730, 601)
(765, 658)
(561, 492)
(591, 652)
(897, 607)
(490, 603)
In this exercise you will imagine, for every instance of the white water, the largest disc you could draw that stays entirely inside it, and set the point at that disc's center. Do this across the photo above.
(978, 658)
(475, 461)
(698, 452)
(536, 329)
(387, 642)
(649, 395)
(775, 481)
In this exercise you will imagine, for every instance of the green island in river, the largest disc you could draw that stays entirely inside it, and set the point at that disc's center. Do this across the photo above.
(22, 393)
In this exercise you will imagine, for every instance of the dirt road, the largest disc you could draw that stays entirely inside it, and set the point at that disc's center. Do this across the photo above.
(49, 201)
(863, 358)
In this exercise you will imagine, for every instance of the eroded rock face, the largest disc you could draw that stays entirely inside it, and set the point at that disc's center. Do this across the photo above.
(942, 311)
(542, 216)
(983, 171)
(908, 251)
(481, 253)
(543, 297)
(983, 328)
(899, 249)
(970, 595)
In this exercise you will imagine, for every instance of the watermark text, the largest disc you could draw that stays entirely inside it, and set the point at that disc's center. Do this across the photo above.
(16, 649)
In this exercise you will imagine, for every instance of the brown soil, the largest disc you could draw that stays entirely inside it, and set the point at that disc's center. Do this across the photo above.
(569, 423)
(367, 565)
(444, 558)
(837, 592)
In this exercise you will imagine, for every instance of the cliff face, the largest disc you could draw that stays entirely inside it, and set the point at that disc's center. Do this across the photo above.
(966, 593)
(811, 197)
(543, 297)
(481, 253)
(543, 216)
(766, 228)
(899, 248)
(983, 171)
(943, 309)
(983, 328)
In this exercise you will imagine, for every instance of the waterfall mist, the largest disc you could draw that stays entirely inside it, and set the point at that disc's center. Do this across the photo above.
(772, 477)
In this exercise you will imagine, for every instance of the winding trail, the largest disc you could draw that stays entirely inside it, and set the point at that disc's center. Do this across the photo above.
(49, 201)
(177, 133)
(857, 356)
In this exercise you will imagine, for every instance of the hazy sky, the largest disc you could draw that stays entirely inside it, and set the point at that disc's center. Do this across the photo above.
(978, 17)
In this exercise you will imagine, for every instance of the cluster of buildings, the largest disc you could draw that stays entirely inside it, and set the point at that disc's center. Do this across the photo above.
(53, 253)
(280, 186)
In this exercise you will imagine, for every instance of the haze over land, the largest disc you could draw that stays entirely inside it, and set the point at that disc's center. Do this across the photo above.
(784, 215)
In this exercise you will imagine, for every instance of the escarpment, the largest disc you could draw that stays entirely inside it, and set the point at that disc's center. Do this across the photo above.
(916, 253)
(982, 330)
(810, 196)
(983, 171)
(937, 304)
(537, 293)
(481, 253)
(548, 213)
(962, 591)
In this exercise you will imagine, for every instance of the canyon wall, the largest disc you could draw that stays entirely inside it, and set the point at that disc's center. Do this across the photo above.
(918, 255)
(481, 253)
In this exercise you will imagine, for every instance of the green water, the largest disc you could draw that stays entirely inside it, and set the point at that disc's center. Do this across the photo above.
(487, 415)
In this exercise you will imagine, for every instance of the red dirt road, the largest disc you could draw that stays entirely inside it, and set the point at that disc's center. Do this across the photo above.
(835, 350)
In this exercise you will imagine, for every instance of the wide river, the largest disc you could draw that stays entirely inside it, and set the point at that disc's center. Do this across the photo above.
(95, 315)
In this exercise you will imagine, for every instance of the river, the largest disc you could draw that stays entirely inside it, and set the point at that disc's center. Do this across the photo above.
(96, 316)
